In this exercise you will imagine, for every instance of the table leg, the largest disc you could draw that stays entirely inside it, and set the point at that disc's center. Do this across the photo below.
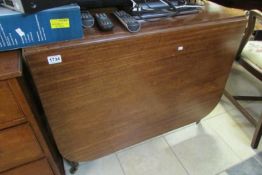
(74, 166)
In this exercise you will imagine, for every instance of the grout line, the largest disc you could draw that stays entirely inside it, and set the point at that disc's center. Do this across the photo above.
(139, 144)
(228, 145)
(259, 161)
(224, 171)
(221, 173)
(217, 115)
(253, 157)
(232, 166)
(121, 166)
(225, 142)
(176, 156)
(235, 152)
(245, 105)
(237, 123)
(177, 130)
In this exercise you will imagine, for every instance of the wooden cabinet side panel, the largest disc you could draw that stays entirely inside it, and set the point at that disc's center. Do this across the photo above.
(109, 95)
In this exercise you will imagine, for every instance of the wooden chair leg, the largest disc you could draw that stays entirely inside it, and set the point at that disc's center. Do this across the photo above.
(257, 134)
(240, 108)
(247, 98)
(258, 124)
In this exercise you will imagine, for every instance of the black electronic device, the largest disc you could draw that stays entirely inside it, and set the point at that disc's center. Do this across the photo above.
(162, 8)
(130, 23)
(31, 6)
(88, 20)
(103, 22)
(89, 4)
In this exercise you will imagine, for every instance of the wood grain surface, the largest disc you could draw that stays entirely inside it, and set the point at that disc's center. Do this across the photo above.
(212, 13)
(10, 65)
(23, 96)
(18, 146)
(116, 89)
(39, 167)
(10, 113)
(21, 134)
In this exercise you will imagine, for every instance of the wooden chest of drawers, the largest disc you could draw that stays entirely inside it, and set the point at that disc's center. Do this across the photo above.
(23, 148)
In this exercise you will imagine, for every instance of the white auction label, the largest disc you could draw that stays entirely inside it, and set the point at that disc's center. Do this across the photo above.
(180, 48)
(55, 59)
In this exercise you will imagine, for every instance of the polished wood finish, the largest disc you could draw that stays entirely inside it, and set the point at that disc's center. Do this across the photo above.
(212, 14)
(10, 66)
(115, 89)
(40, 167)
(20, 89)
(22, 143)
(18, 146)
(10, 113)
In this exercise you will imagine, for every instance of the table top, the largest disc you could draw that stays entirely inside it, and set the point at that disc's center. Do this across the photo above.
(211, 14)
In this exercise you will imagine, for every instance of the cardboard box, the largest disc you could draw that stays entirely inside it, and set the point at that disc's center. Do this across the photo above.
(18, 30)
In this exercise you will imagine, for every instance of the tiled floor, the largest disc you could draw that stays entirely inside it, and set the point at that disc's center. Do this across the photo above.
(219, 145)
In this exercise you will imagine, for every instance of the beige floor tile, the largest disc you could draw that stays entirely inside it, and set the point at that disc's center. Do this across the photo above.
(223, 106)
(179, 129)
(154, 157)
(255, 109)
(223, 173)
(242, 82)
(108, 165)
(258, 157)
(245, 126)
(230, 127)
(201, 150)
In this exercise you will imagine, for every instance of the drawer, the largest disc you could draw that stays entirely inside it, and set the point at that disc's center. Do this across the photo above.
(10, 112)
(40, 167)
(18, 145)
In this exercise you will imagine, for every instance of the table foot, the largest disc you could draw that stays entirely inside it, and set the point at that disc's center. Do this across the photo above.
(197, 122)
(74, 166)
